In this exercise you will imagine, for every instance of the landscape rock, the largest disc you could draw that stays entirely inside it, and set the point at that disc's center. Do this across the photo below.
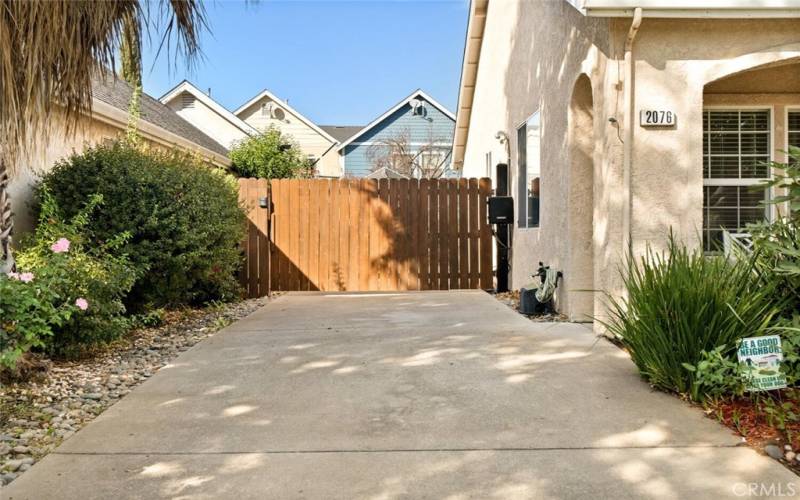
(71, 394)
(12, 465)
(774, 451)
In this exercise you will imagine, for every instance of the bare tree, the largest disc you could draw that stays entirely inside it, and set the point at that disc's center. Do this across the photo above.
(427, 160)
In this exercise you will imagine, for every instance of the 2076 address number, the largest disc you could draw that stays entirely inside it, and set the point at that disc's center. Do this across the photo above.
(657, 118)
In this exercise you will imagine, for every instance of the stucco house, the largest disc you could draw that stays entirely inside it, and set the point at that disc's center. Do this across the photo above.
(158, 125)
(418, 120)
(621, 119)
(259, 113)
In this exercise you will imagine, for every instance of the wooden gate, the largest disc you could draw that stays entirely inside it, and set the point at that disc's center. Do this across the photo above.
(366, 235)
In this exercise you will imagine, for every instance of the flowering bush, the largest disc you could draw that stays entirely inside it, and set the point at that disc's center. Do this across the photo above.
(91, 279)
(183, 217)
(29, 310)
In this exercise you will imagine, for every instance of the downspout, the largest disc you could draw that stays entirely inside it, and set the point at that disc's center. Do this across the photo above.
(630, 118)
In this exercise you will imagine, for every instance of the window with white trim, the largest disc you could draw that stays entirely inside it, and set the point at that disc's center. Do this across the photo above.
(793, 128)
(528, 171)
(736, 152)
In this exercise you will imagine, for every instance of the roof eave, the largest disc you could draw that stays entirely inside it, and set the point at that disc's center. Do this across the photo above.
(469, 75)
(386, 114)
(273, 97)
(107, 113)
(219, 109)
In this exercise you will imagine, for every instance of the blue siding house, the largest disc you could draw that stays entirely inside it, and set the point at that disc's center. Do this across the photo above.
(418, 120)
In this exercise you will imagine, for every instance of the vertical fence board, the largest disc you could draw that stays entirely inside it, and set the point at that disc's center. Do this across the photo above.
(343, 274)
(355, 236)
(274, 255)
(245, 241)
(412, 223)
(401, 237)
(422, 233)
(393, 253)
(486, 243)
(324, 231)
(463, 233)
(365, 212)
(262, 220)
(252, 208)
(284, 231)
(315, 186)
(334, 277)
(433, 234)
(388, 234)
(385, 223)
(294, 235)
(375, 233)
(474, 234)
(452, 226)
(442, 233)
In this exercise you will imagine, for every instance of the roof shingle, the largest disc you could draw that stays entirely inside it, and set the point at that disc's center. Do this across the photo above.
(117, 93)
(341, 132)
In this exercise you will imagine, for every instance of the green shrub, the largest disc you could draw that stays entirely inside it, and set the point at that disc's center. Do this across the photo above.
(268, 155)
(778, 242)
(59, 254)
(29, 310)
(183, 217)
(683, 304)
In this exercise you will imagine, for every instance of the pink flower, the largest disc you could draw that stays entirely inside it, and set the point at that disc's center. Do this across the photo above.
(25, 277)
(60, 246)
(82, 304)
(14, 276)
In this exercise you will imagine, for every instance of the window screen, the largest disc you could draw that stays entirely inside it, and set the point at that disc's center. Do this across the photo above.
(529, 172)
(736, 152)
(793, 126)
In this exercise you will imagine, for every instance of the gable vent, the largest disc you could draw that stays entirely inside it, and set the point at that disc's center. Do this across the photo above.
(187, 100)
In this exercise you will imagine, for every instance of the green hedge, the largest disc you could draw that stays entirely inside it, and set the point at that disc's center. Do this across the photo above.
(183, 217)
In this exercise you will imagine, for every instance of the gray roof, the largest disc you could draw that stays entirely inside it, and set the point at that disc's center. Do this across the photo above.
(117, 93)
(341, 132)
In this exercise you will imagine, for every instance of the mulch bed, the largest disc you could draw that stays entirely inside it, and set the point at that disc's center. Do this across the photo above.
(746, 419)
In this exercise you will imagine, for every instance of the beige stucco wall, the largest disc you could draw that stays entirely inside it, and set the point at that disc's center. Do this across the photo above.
(57, 145)
(532, 54)
(44, 155)
(309, 140)
(208, 121)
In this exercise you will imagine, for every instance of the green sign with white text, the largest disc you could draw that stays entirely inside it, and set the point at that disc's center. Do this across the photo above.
(763, 357)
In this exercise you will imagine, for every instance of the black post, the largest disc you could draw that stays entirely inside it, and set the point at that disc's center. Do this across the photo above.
(503, 232)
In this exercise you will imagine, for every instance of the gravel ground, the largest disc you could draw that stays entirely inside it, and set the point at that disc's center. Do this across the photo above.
(37, 415)
(511, 299)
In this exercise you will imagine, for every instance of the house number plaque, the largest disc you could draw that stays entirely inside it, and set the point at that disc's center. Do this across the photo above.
(657, 118)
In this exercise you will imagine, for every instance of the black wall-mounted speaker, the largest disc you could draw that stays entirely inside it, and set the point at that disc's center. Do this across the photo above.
(501, 209)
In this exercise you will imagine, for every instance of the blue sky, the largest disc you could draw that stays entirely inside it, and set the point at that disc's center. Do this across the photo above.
(338, 63)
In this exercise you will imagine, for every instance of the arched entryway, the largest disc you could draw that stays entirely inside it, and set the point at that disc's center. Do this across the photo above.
(579, 279)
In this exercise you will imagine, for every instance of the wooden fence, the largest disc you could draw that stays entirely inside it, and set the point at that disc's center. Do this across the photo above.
(366, 235)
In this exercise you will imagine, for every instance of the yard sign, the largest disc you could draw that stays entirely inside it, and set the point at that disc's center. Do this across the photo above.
(763, 356)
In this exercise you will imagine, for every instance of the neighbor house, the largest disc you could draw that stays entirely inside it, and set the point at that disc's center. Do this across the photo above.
(416, 124)
(265, 110)
(198, 108)
(624, 119)
(158, 126)
(259, 113)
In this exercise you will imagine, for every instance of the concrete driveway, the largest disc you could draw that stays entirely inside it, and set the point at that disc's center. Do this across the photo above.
(413, 395)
